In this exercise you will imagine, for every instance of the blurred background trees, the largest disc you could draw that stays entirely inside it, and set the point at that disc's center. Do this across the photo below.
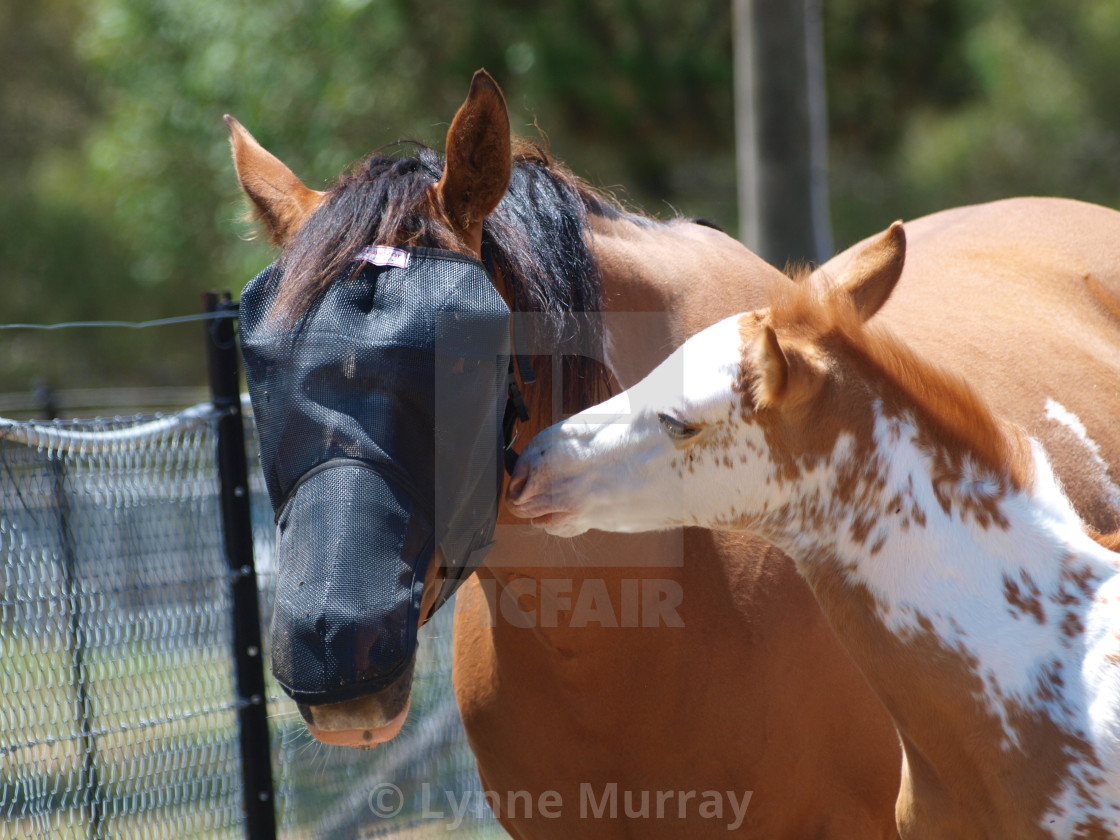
(118, 199)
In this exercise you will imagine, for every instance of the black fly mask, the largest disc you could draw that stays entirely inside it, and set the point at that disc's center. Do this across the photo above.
(380, 417)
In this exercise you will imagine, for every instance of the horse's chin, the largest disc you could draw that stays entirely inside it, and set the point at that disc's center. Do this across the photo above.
(361, 738)
(364, 721)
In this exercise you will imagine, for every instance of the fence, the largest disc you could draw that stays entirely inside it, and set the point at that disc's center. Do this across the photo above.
(121, 710)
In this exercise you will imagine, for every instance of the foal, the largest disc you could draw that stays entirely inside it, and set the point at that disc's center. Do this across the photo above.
(934, 535)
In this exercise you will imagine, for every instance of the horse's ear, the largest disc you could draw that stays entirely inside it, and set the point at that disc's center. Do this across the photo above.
(280, 199)
(871, 275)
(773, 368)
(477, 172)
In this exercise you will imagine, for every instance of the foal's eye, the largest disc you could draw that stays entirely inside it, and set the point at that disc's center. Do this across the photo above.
(677, 429)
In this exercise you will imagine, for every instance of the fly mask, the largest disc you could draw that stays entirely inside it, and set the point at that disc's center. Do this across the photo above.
(380, 418)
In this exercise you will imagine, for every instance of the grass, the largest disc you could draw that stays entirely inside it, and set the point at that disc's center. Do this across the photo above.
(162, 737)
(165, 744)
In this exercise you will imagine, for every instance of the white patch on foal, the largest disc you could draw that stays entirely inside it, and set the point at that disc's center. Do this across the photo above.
(920, 583)
(1058, 413)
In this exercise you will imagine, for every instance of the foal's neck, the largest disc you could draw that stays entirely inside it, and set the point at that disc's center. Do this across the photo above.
(964, 601)
(969, 605)
(924, 531)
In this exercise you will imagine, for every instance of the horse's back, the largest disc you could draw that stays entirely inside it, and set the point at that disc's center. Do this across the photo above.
(1022, 298)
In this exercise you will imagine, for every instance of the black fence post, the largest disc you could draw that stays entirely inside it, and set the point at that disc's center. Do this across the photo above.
(91, 779)
(256, 761)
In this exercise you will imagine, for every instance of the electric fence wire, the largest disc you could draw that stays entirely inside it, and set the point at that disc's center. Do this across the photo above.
(136, 325)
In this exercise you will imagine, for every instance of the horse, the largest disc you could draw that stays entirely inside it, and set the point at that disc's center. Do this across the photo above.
(650, 693)
(934, 534)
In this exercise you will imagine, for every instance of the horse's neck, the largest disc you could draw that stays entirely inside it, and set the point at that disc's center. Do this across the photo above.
(665, 282)
(661, 284)
(952, 599)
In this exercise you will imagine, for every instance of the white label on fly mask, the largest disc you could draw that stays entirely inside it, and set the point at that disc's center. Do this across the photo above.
(385, 255)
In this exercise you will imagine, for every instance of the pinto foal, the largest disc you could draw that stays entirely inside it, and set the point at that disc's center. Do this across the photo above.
(934, 535)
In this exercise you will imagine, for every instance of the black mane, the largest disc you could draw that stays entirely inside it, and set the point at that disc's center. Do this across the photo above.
(536, 237)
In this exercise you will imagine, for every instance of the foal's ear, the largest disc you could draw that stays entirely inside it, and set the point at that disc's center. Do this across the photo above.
(280, 199)
(786, 377)
(871, 275)
(773, 367)
(479, 160)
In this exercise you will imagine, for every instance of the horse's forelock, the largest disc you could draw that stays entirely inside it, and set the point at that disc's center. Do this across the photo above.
(381, 200)
(537, 236)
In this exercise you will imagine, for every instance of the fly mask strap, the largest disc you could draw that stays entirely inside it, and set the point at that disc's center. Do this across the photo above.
(516, 408)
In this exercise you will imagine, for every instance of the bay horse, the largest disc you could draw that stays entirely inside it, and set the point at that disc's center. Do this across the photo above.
(935, 536)
(736, 684)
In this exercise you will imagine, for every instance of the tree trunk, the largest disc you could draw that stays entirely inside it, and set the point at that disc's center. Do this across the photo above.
(781, 130)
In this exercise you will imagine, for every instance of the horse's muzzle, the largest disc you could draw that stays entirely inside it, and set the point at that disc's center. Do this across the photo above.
(352, 554)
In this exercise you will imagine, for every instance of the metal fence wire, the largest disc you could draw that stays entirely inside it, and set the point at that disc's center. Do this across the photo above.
(118, 700)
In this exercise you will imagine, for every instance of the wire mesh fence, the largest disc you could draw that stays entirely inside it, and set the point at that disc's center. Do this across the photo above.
(118, 701)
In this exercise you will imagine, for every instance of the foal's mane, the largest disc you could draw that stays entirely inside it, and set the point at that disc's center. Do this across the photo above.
(536, 238)
(958, 416)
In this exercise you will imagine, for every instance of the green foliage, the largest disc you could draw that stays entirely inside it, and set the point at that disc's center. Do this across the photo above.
(142, 193)
(119, 199)
(884, 57)
(1023, 100)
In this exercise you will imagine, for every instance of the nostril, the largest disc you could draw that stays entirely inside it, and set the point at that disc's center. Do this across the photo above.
(517, 482)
